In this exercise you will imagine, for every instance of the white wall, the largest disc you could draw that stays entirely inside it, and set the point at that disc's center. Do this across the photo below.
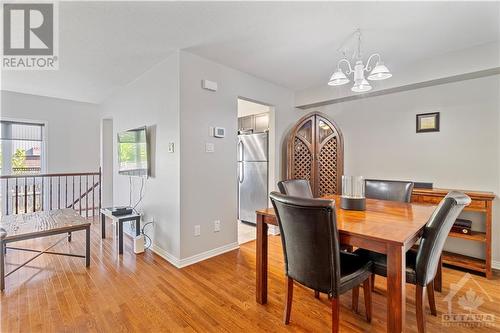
(72, 129)
(380, 140)
(107, 140)
(153, 100)
(208, 180)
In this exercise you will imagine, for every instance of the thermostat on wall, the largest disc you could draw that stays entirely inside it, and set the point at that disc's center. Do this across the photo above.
(220, 132)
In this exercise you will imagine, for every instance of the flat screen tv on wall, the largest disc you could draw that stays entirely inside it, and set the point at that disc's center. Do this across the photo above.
(133, 152)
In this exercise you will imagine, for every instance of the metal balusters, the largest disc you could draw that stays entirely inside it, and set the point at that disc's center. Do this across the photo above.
(42, 195)
(66, 191)
(34, 195)
(17, 197)
(50, 193)
(93, 198)
(100, 186)
(7, 195)
(59, 192)
(80, 197)
(25, 195)
(87, 196)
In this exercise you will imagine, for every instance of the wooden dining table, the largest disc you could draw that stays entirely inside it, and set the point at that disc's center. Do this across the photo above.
(387, 227)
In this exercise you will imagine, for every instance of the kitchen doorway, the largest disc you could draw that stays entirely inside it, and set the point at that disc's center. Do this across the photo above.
(255, 163)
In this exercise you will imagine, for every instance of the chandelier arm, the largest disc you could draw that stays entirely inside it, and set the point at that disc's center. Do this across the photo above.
(367, 67)
(348, 65)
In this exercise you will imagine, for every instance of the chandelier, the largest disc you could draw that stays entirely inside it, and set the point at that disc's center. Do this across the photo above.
(377, 73)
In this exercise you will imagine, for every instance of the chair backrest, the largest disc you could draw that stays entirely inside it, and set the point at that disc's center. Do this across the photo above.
(296, 187)
(310, 241)
(391, 190)
(435, 233)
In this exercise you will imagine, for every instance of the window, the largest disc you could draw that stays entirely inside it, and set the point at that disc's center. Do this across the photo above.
(21, 148)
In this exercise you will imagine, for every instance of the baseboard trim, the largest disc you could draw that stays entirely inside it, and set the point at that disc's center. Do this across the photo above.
(495, 264)
(165, 255)
(180, 263)
(208, 254)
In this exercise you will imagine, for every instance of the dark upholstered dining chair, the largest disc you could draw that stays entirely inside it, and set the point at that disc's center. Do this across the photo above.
(391, 190)
(312, 252)
(296, 187)
(422, 264)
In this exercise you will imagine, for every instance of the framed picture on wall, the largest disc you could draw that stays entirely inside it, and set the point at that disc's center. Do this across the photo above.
(428, 122)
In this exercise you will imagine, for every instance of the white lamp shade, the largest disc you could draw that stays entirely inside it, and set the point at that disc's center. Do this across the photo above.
(338, 78)
(361, 86)
(380, 72)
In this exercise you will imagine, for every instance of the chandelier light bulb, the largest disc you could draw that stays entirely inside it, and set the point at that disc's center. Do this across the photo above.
(361, 86)
(380, 72)
(338, 78)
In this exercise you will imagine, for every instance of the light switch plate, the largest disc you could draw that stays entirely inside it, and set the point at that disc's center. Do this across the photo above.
(209, 147)
(197, 230)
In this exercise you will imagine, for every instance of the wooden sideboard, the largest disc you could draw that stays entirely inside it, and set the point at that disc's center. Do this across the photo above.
(482, 202)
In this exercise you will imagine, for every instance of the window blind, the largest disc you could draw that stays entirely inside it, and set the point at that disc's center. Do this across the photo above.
(19, 131)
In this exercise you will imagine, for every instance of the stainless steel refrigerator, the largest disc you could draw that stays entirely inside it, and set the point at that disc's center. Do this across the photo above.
(252, 175)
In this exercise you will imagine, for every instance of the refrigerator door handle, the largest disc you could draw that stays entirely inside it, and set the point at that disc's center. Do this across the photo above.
(241, 175)
(242, 150)
(239, 150)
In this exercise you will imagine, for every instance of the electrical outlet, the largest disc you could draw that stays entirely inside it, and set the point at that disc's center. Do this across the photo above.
(171, 147)
(216, 226)
(197, 230)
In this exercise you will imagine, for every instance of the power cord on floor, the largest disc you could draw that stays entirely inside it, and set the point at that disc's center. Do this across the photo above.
(148, 244)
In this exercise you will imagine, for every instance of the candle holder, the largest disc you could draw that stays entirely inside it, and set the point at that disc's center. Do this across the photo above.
(353, 193)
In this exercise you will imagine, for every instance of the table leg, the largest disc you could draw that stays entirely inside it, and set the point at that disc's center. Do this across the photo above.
(261, 289)
(2, 266)
(438, 280)
(103, 226)
(87, 246)
(120, 237)
(138, 226)
(396, 288)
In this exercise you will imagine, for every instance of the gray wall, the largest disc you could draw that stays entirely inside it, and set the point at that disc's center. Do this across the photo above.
(380, 141)
(208, 180)
(153, 100)
(72, 129)
(107, 140)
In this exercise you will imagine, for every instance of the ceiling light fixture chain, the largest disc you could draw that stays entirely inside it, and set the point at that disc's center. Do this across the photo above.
(379, 72)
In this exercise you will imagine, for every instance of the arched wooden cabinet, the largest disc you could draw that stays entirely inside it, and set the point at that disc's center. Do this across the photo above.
(315, 151)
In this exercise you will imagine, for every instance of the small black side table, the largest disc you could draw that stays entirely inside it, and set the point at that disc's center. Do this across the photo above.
(106, 212)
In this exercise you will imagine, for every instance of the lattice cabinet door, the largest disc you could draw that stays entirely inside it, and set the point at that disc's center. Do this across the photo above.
(329, 157)
(301, 150)
(315, 153)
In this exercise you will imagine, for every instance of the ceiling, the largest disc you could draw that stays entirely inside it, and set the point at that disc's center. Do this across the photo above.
(105, 45)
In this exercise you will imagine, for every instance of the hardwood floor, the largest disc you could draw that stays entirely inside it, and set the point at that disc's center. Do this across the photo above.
(145, 293)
